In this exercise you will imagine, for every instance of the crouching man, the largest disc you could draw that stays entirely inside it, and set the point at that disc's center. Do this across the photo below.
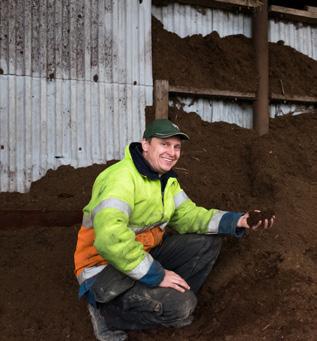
(133, 275)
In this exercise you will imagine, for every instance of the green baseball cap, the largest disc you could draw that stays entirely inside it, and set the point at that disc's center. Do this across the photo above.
(163, 128)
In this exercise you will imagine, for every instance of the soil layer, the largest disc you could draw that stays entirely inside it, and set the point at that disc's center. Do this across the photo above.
(263, 287)
(229, 63)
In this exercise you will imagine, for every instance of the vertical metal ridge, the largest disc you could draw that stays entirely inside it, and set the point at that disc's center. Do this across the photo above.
(114, 51)
(11, 38)
(72, 40)
(94, 39)
(27, 37)
(12, 131)
(58, 39)
(147, 47)
(73, 124)
(4, 134)
(3, 40)
(87, 39)
(130, 34)
(101, 32)
(110, 118)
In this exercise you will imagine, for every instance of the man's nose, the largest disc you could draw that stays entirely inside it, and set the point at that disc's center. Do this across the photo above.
(171, 150)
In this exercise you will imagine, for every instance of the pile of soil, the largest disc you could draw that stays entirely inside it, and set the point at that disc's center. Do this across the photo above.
(263, 286)
(228, 63)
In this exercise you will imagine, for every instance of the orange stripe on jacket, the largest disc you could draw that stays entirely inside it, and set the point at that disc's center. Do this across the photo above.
(86, 254)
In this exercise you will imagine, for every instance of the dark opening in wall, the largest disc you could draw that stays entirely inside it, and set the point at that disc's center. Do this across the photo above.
(298, 4)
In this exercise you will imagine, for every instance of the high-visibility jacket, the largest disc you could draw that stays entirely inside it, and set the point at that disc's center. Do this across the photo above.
(127, 216)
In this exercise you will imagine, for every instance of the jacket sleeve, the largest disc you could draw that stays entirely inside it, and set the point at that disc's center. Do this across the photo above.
(112, 205)
(190, 218)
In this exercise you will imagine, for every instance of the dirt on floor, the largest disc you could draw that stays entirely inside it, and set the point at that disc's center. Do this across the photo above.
(263, 287)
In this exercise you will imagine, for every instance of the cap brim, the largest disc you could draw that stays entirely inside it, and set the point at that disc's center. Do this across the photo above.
(182, 136)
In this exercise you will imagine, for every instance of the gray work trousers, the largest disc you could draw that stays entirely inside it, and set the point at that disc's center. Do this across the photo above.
(192, 256)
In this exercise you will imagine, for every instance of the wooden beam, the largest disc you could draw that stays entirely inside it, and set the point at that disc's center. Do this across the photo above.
(236, 95)
(211, 93)
(161, 89)
(243, 5)
(293, 14)
(235, 3)
(293, 99)
(311, 9)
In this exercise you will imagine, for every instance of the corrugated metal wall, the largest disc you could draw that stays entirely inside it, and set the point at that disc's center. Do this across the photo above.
(187, 20)
(75, 77)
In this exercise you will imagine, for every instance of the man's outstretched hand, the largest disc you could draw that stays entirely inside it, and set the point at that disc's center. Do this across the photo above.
(173, 280)
(256, 218)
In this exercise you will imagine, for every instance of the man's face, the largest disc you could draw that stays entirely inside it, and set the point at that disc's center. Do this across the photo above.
(162, 154)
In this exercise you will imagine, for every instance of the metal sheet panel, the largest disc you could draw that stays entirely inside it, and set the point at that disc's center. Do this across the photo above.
(211, 110)
(186, 20)
(232, 112)
(64, 122)
(279, 109)
(301, 37)
(75, 77)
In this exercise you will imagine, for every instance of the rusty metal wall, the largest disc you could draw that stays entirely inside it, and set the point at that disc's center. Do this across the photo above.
(187, 20)
(75, 77)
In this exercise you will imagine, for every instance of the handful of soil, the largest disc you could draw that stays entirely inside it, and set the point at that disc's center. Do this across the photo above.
(255, 217)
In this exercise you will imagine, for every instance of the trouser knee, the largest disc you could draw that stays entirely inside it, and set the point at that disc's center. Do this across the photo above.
(209, 247)
(178, 308)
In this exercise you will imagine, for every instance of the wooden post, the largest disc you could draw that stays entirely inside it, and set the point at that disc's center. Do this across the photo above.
(260, 38)
(161, 89)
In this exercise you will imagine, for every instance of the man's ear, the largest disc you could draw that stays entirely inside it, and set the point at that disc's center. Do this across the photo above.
(145, 145)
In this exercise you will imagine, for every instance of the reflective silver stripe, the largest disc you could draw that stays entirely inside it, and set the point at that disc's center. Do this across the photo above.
(138, 229)
(214, 222)
(113, 203)
(89, 272)
(140, 270)
(179, 198)
(86, 222)
(162, 226)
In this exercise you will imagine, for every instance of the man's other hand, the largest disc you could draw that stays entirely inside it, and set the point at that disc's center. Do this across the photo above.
(265, 223)
(173, 280)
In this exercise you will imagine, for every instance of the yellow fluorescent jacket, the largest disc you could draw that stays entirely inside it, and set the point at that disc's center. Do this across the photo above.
(126, 217)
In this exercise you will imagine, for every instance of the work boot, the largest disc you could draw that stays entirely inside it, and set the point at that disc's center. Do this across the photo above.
(101, 330)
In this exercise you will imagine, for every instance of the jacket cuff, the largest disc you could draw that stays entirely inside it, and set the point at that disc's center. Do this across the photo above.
(154, 276)
(228, 224)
